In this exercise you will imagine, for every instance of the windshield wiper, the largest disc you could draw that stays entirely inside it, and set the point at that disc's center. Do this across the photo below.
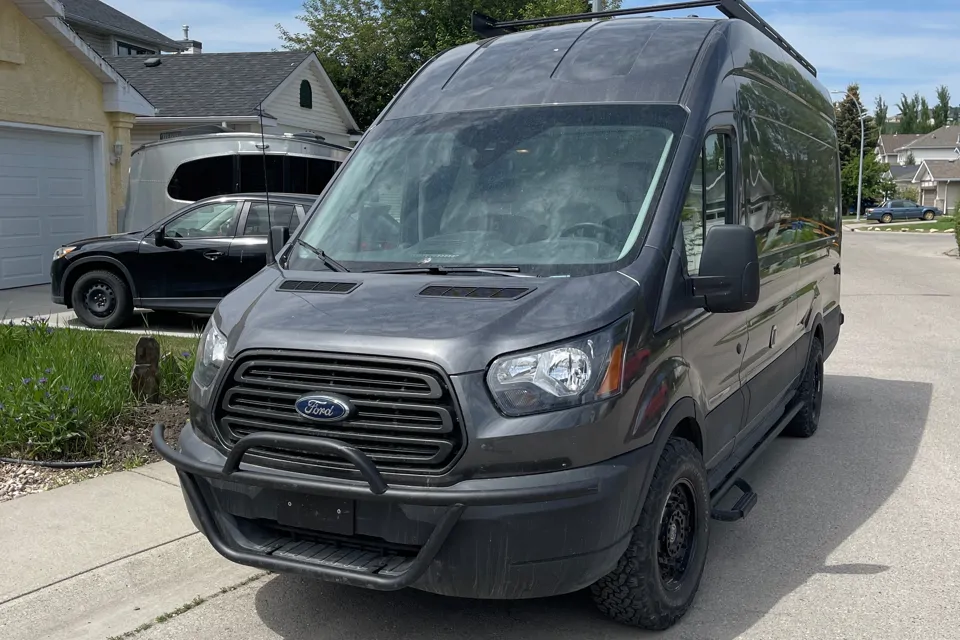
(332, 264)
(440, 270)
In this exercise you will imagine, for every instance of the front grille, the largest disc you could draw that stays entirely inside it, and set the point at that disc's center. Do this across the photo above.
(406, 419)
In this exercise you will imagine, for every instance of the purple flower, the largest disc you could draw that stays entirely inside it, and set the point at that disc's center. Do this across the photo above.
(48, 370)
(42, 381)
(74, 411)
(49, 331)
(97, 377)
(64, 388)
(46, 395)
(185, 354)
(27, 380)
(1, 406)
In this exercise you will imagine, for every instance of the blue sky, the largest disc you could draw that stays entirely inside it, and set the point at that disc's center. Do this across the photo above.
(888, 46)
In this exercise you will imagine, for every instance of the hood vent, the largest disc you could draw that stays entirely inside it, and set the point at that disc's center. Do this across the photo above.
(485, 293)
(318, 287)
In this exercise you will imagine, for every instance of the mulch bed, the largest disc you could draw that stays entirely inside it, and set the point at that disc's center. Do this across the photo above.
(123, 445)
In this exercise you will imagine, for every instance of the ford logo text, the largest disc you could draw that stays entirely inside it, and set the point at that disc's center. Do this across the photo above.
(324, 408)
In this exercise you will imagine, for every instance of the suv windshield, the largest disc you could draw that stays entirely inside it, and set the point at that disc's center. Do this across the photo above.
(551, 190)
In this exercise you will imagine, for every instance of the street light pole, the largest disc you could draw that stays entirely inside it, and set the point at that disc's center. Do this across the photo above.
(860, 177)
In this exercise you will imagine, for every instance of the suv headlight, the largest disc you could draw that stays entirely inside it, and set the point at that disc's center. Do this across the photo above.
(62, 251)
(565, 375)
(210, 354)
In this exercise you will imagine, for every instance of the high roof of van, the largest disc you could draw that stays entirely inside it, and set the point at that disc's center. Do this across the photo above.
(625, 60)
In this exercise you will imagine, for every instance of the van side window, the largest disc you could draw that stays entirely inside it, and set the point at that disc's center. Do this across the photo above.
(707, 199)
(203, 178)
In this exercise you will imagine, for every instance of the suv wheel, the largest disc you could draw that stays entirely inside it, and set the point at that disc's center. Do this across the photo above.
(805, 423)
(101, 300)
(886, 218)
(657, 578)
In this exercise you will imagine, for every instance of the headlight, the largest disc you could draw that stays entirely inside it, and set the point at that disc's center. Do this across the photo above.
(210, 354)
(62, 251)
(565, 375)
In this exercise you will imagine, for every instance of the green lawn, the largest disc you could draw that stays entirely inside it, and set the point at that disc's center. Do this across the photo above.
(944, 223)
(59, 388)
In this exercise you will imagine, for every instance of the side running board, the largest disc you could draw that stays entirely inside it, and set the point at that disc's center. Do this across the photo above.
(744, 504)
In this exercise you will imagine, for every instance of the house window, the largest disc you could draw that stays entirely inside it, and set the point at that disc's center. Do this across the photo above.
(124, 49)
(306, 95)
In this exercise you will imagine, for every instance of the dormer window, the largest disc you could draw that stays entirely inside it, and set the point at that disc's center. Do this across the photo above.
(124, 49)
(306, 95)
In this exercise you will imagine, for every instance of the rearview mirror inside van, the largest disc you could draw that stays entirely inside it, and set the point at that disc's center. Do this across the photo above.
(729, 274)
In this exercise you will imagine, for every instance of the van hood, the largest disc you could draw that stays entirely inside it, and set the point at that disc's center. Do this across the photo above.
(388, 315)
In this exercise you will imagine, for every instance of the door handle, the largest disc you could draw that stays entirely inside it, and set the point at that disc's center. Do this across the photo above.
(212, 254)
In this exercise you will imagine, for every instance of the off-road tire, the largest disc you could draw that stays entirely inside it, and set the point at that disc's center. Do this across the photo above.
(928, 215)
(635, 593)
(107, 286)
(805, 423)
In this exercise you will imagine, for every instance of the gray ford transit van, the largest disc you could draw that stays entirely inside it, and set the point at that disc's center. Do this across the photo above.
(568, 284)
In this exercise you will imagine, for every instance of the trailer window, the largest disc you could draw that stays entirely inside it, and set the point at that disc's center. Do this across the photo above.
(199, 179)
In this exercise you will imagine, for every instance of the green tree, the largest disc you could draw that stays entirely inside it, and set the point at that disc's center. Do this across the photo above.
(880, 114)
(911, 159)
(909, 116)
(875, 184)
(370, 48)
(924, 116)
(908, 193)
(941, 112)
(848, 127)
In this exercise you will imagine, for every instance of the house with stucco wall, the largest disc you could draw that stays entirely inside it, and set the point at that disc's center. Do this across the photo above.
(65, 122)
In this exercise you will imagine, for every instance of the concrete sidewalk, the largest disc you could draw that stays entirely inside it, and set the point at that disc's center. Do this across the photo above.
(101, 557)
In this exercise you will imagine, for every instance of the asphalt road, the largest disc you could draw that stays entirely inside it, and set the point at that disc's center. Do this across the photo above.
(856, 534)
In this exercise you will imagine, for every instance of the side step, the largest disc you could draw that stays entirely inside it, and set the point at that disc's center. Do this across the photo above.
(744, 504)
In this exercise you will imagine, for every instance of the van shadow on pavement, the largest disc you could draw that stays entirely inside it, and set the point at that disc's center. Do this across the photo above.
(814, 494)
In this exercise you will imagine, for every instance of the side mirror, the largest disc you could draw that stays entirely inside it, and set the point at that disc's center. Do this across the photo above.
(729, 277)
(278, 237)
(158, 237)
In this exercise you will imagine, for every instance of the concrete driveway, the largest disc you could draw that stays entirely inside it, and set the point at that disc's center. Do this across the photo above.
(24, 302)
(856, 533)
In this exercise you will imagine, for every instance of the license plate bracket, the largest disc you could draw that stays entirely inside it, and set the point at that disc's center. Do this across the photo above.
(317, 513)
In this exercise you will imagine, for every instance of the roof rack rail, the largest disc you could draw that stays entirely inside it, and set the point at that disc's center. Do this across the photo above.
(487, 27)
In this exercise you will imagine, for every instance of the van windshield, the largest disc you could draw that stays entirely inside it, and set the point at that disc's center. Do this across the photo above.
(550, 190)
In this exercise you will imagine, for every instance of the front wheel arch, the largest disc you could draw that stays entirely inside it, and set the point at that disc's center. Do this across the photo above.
(94, 263)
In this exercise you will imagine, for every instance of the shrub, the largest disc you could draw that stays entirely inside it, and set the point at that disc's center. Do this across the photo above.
(956, 224)
(61, 387)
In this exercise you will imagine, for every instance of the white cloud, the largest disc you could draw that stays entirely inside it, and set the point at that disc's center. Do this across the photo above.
(219, 25)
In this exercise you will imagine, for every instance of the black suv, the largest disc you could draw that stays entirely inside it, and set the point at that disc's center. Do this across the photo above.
(611, 280)
(186, 262)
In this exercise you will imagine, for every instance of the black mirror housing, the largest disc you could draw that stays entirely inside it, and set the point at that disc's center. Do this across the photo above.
(279, 236)
(158, 237)
(729, 276)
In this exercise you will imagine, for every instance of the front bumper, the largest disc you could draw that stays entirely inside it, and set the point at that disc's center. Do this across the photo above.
(516, 537)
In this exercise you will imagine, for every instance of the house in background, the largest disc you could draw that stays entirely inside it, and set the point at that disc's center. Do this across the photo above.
(112, 33)
(939, 183)
(902, 175)
(888, 143)
(65, 121)
(940, 144)
(227, 90)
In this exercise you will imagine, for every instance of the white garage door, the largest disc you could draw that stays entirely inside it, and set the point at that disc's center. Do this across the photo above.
(47, 198)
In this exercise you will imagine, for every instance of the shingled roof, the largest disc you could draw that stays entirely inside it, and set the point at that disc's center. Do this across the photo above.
(101, 15)
(946, 137)
(903, 173)
(208, 84)
(890, 142)
(943, 169)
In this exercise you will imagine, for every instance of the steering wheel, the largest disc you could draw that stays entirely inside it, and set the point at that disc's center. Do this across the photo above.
(598, 229)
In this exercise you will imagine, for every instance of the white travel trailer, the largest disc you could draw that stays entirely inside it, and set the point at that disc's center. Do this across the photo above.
(171, 173)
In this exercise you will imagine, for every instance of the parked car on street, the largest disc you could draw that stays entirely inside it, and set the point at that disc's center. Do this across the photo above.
(537, 325)
(902, 210)
(186, 262)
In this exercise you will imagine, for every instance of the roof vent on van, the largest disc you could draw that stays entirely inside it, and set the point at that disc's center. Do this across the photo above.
(318, 287)
(152, 62)
(486, 293)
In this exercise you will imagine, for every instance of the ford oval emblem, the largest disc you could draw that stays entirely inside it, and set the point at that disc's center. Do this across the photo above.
(323, 407)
